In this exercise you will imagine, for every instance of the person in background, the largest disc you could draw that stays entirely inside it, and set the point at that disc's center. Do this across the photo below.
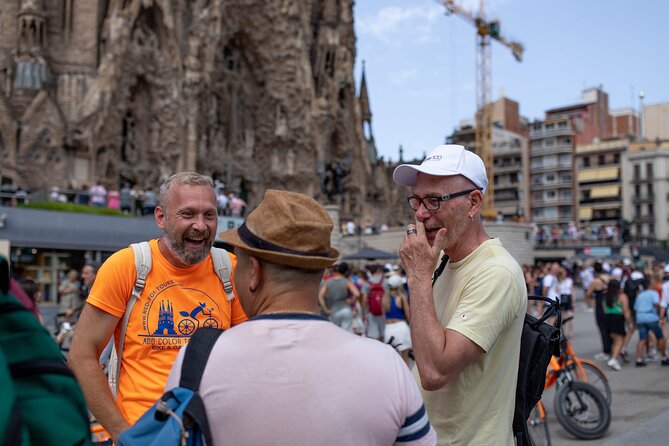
(376, 323)
(125, 199)
(69, 292)
(149, 201)
(647, 308)
(596, 292)
(98, 195)
(336, 296)
(397, 315)
(616, 314)
(566, 291)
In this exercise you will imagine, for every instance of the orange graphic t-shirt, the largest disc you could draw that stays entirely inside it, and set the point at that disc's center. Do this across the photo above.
(174, 303)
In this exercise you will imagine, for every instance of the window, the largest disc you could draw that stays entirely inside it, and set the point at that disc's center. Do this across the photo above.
(551, 212)
(549, 142)
(651, 230)
(550, 126)
(650, 190)
(586, 161)
(637, 211)
(549, 195)
(616, 158)
(562, 124)
(536, 127)
(565, 177)
(637, 172)
(651, 209)
(639, 233)
(550, 178)
(550, 161)
(565, 195)
(586, 195)
(649, 170)
(601, 160)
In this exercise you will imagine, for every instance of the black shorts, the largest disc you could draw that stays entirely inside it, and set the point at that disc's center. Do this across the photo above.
(615, 324)
(565, 302)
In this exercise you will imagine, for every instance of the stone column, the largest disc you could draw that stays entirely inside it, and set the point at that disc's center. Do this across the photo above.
(334, 210)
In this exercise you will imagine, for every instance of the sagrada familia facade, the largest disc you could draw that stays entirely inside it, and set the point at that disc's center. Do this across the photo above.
(257, 93)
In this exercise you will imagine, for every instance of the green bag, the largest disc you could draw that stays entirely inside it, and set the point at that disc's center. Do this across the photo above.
(42, 403)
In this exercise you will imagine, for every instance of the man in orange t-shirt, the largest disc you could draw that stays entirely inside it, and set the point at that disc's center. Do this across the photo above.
(182, 292)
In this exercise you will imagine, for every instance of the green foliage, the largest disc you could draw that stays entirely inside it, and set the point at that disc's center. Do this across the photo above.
(72, 207)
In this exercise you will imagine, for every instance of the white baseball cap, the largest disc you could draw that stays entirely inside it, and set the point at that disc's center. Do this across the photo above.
(445, 160)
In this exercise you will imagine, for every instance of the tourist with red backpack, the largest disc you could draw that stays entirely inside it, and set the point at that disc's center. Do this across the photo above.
(373, 303)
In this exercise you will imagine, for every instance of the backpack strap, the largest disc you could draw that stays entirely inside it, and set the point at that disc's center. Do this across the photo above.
(199, 347)
(440, 268)
(142, 252)
(223, 267)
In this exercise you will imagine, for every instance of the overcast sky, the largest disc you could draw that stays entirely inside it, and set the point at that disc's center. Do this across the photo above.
(420, 63)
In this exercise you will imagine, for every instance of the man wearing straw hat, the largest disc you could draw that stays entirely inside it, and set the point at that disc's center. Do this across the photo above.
(288, 375)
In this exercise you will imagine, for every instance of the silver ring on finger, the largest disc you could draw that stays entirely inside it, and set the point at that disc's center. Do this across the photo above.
(412, 231)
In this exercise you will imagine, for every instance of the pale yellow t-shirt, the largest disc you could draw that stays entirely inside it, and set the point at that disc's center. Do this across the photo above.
(174, 303)
(484, 298)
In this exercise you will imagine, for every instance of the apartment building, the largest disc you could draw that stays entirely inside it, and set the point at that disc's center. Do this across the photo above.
(599, 180)
(511, 157)
(510, 168)
(656, 121)
(552, 146)
(645, 178)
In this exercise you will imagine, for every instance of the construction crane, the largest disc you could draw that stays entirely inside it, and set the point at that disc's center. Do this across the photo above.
(486, 31)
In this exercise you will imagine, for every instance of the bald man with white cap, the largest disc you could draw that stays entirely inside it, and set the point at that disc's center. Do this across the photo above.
(465, 329)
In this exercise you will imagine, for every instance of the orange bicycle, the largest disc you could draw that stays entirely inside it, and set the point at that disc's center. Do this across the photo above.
(582, 399)
(581, 369)
(537, 426)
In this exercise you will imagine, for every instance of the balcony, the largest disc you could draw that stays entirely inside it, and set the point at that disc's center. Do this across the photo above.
(554, 185)
(508, 168)
(558, 167)
(545, 133)
(536, 203)
(644, 198)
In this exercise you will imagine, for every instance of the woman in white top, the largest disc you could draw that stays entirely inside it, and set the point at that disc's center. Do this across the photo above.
(565, 288)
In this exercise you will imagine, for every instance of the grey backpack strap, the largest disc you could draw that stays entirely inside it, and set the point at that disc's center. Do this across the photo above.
(223, 267)
(142, 252)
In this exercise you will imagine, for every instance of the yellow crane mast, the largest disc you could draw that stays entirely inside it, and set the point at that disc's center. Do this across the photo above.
(486, 31)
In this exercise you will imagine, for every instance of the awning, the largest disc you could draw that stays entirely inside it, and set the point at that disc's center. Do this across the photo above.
(599, 174)
(605, 191)
(36, 228)
(585, 213)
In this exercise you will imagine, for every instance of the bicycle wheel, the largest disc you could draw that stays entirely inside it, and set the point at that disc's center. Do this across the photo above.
(593, 376)
(582, 410)
(537, 426)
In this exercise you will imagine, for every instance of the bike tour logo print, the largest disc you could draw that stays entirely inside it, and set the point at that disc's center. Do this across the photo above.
(172, 313)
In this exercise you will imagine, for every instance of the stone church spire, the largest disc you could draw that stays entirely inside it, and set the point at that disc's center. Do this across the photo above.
(32, 27)
(32, 70)
(365, 111)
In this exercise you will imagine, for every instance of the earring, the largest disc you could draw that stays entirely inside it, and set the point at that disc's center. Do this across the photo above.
(471, 217)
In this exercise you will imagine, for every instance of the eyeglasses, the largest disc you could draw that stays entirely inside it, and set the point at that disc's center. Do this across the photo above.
(433, 203)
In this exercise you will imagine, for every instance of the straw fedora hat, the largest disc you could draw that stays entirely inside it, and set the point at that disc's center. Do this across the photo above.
(287, 228)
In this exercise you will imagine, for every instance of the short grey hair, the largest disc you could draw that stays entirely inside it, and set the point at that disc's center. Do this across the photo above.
(179, 178)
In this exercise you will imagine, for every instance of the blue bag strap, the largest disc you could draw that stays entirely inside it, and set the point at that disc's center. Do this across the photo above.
(197, 353)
